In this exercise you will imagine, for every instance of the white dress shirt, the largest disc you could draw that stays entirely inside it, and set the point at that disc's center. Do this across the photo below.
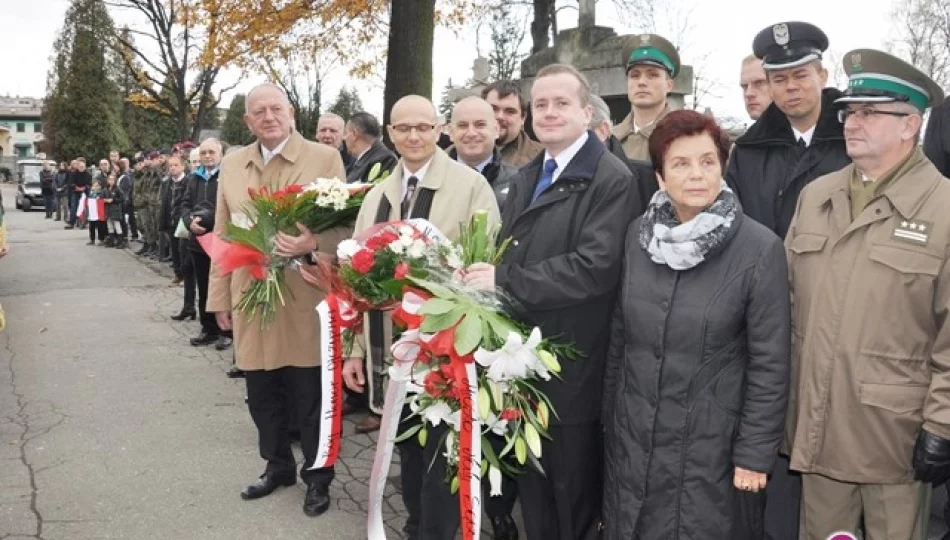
(566, 156)
(420, 174)
(267, 155)
(806, 136)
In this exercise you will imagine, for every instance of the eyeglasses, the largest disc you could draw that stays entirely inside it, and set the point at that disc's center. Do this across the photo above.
(405, 129)
(864, 114)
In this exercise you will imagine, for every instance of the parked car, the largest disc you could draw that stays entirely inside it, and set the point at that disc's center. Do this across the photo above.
(29, 194)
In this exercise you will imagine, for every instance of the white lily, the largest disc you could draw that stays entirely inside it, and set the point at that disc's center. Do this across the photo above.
(241, 220)
(494, 480)
(496, 425)
(515, 359)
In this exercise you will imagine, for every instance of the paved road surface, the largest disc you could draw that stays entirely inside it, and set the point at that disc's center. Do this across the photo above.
(113, 427)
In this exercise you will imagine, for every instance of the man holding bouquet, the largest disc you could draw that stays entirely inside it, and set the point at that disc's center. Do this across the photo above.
(281, 360)
(426, 184)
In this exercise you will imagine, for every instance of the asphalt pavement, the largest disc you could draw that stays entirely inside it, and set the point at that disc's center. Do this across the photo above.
(112, 426)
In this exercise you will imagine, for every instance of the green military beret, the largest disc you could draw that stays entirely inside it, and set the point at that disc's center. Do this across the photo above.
(878, 77)
(654, 50)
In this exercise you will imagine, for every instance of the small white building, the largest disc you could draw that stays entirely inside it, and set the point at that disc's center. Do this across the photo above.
(21, 128)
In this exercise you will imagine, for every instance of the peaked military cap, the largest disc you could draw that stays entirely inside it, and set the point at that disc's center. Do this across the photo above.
(878, 77)
(789, 44)
(654, 50)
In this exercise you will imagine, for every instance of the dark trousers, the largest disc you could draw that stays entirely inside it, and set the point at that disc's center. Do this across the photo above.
(783, 498)
(74, 206)
(100, 227)
(49, 201)
(565, 504)
(433, 509)
(175, 246)
(188, 274)
(62, 206)
(133, 228)
(202, 265)
(266, 391)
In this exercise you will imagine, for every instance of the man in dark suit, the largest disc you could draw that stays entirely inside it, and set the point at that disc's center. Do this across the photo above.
(567, 214)
(362, 137)
(937, 138)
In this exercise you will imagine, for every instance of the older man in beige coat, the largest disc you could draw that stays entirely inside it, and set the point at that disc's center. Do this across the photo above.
(280, 364)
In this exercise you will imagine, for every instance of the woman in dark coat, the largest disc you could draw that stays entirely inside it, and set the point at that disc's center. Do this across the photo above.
(697, 374)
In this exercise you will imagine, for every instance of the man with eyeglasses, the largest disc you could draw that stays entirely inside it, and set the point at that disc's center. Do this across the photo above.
(797, 138)
(425, 184)
(868, 248)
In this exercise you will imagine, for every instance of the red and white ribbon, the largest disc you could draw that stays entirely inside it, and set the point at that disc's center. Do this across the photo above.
(470, 453)
(331, 382)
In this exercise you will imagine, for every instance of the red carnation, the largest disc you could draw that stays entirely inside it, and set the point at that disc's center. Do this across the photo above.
(381, 240)
(363, 261)
(402, 270)
(434, 384)
(510, 414)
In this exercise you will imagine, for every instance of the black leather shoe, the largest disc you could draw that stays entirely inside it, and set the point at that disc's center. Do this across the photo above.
(266, 485)
(203, 338)
(504, 528)
(222, 343)
(183, 314)
(145, 249)
(235, 373)
(317, 500)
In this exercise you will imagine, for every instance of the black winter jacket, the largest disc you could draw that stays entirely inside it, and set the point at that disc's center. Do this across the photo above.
(171, 195)
(766, 172)
(563, 267)
(644, 175)
(696, 385)
(199, 199)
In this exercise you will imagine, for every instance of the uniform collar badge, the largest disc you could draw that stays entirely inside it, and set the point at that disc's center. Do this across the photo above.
(912, 231)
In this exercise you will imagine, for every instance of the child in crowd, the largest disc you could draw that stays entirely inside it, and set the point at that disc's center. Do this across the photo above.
(95, 214)
(114, 203)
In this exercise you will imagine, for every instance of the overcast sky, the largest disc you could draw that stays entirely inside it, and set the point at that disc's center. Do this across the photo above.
(724, 28)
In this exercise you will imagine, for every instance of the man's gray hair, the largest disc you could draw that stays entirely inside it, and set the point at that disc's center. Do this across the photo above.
(601, 112)
(331, 116)
(211, 141)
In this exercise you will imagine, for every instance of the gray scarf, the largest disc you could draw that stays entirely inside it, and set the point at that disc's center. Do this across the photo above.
(682, 246)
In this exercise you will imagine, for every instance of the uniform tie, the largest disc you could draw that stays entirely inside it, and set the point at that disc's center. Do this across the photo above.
(407, 200)
(547, 175)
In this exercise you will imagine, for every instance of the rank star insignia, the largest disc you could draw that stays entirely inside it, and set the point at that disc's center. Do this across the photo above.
(912, 231)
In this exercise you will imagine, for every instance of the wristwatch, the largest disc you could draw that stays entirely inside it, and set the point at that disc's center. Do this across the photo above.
(310, 259)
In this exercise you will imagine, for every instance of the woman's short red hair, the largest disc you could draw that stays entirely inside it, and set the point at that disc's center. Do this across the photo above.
(685, 123)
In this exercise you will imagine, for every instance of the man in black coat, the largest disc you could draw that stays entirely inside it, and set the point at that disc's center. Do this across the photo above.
(937, 138)
(362, 137)
(567, 213)
(79, 181)
(644, 176)
(199, 200)
(171, 196)
(473, 130)
(798, 138)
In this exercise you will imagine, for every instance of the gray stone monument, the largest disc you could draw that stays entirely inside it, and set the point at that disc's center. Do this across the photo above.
(597, 51)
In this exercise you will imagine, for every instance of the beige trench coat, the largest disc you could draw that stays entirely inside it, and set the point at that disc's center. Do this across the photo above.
(459, 193)
(871, 340)
(293, 337)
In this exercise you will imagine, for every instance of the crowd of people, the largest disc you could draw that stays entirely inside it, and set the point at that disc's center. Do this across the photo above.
(761, 323)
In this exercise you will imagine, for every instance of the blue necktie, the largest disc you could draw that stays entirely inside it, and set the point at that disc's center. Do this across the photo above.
(547, 175)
